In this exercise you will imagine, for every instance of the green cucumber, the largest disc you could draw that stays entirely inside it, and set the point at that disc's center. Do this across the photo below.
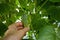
(26, 20)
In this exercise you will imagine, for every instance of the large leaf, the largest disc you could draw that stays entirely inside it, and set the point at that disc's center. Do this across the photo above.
(47, 33)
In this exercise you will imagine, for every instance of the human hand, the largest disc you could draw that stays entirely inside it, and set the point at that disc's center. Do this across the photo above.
(16, 31)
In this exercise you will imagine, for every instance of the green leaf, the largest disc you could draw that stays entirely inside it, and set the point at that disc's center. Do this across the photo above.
(47, 33)
(54, 13)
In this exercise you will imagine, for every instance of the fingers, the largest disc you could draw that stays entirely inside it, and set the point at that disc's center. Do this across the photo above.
(19, 28)
(14, 28)
(22, 32)
(17, 25)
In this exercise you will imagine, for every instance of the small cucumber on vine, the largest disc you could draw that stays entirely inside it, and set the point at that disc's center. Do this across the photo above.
(26, 20)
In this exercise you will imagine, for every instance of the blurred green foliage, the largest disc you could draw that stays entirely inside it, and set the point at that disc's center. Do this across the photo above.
(41, 16)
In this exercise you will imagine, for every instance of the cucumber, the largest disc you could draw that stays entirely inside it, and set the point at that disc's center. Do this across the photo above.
(26, 20)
